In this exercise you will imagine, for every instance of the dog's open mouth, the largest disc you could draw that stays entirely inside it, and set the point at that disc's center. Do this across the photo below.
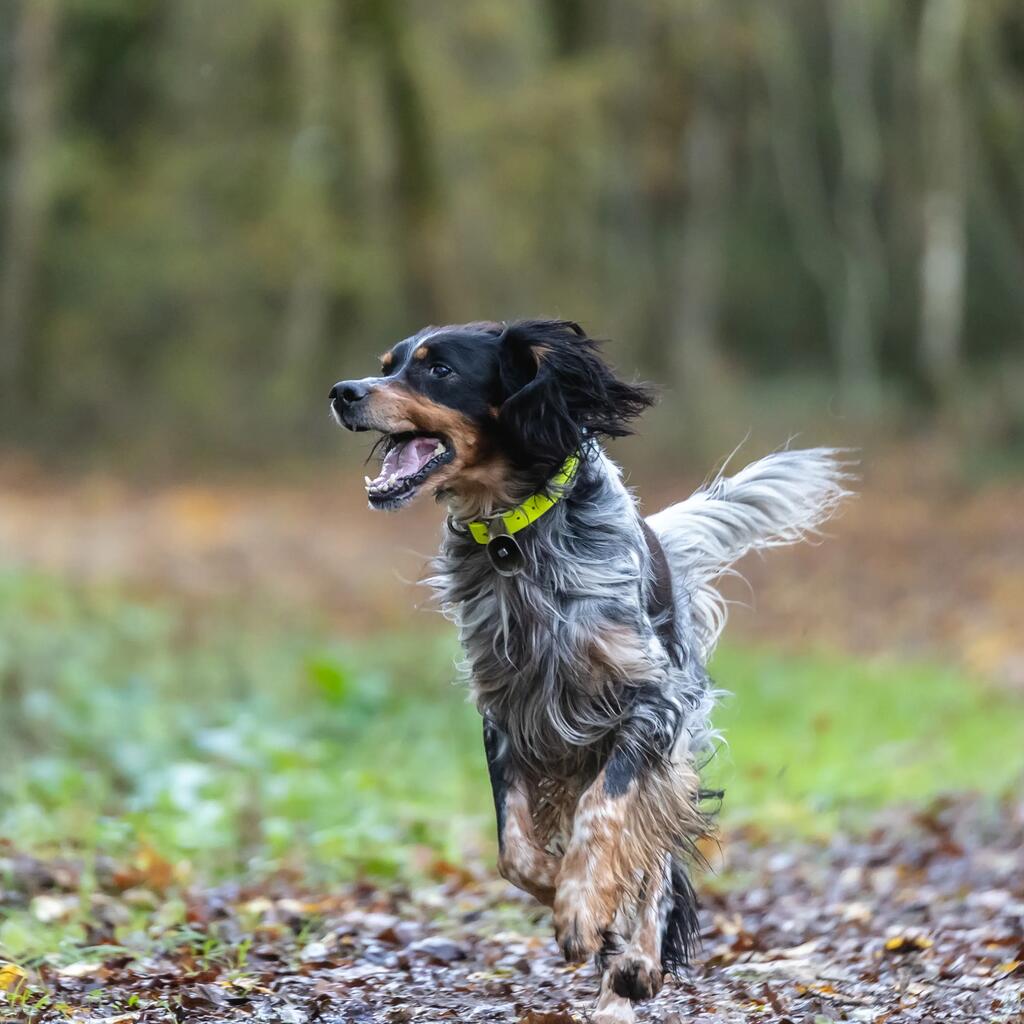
(409, 459)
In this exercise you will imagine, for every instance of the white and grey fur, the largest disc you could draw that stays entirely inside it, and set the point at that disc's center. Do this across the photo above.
(556, 708)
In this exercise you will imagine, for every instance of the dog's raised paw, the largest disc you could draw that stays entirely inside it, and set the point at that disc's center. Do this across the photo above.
(635, 977)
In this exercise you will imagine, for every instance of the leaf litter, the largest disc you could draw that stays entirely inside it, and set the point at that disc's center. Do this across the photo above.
(920, 920)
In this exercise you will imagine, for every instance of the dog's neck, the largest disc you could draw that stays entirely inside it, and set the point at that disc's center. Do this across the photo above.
(484, 495)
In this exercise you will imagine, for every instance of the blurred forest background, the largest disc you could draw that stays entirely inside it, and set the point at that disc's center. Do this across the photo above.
(800, 217)
(207, 216)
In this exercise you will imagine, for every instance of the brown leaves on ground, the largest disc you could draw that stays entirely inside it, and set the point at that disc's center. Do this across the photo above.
(922, 921)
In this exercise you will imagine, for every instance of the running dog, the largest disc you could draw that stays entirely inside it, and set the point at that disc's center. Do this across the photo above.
(586, 627)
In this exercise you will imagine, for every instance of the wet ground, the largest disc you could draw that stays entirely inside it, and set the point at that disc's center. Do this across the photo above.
(922, 920)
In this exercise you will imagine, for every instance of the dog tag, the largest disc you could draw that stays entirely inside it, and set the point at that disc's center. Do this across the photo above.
(505, 554)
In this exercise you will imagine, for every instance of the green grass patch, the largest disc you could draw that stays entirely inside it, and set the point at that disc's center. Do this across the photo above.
(811, 739)
(237, 744)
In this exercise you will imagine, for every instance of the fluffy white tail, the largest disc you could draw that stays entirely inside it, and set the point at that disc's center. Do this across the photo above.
(778, 500)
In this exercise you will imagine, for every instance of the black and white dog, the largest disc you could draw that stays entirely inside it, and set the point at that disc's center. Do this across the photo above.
(586, 627)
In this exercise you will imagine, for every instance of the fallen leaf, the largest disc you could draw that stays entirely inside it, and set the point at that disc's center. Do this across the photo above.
(12, 977)
(900, 944)
(439, 949)
(49, 909)
(82, 969)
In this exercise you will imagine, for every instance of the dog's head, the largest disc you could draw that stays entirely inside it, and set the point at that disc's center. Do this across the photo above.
(485, 412)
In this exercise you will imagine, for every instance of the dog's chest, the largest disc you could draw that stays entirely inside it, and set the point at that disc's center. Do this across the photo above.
(538, 666)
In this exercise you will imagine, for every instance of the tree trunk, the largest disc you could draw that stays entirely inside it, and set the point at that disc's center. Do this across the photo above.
(415, 176)
(944, 243)
(31, 130)
(834, 229)
(862, 276)
(308, 201)
(696, 304)
(680, 165)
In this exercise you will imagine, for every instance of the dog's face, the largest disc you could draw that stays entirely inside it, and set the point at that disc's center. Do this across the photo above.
(482, 411)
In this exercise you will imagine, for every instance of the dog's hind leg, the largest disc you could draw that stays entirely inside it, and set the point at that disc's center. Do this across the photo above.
(521, 858)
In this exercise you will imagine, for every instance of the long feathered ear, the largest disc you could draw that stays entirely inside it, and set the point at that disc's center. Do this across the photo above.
(559, 389)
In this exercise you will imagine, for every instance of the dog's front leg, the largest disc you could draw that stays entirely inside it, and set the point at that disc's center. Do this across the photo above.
(635, 971)
(521, 858)
(588, 890)
(615, 846)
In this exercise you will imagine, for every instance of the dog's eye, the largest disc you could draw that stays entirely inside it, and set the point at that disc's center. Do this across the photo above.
(439, 370)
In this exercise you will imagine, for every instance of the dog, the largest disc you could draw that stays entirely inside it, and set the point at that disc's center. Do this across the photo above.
(586, 627)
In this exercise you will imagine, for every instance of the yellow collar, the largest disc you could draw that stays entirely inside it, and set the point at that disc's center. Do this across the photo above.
(530, 510)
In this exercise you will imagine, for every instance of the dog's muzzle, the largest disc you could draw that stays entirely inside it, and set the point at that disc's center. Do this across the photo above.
(349, 403)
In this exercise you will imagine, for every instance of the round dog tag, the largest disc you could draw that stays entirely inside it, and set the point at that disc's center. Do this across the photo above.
(505, 554)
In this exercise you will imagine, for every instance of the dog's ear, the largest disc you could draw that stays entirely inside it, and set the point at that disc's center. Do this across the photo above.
(558, 390)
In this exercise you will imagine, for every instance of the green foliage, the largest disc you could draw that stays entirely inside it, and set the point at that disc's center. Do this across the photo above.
(810, 738)
(236, 744)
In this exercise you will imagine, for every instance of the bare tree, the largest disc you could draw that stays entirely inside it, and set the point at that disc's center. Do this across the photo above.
(313, 31)
(671, 178)
(416, 181)
(834, 226)
(31, 100)
(944, 244)
(696, 303)
(862, 281)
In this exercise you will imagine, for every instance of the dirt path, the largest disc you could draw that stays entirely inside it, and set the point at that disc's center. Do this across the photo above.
(923, 921)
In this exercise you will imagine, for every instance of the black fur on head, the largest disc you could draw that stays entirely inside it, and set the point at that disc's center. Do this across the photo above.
(560, 391)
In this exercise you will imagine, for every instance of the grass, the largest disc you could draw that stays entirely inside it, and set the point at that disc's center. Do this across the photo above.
(814, 738)
(230, 744)
(237, 744)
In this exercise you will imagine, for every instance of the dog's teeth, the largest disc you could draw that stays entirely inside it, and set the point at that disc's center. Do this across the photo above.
(392, 479)
(367, 481)
(439, 450)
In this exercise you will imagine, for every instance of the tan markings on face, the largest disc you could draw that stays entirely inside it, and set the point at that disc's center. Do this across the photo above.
(477, 476)
(396, 409)
(480, 488)
(422, 352)
(387, 361)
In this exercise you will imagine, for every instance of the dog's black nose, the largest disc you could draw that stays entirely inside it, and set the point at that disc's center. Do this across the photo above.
(348, 392)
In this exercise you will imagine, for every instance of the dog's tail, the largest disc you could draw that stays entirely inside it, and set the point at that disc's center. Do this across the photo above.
(778, 500)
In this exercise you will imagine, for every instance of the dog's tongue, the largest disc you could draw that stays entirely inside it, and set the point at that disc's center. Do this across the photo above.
(408, 458)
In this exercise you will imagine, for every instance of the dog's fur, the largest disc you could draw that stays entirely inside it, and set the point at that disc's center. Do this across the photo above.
(588, 667)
